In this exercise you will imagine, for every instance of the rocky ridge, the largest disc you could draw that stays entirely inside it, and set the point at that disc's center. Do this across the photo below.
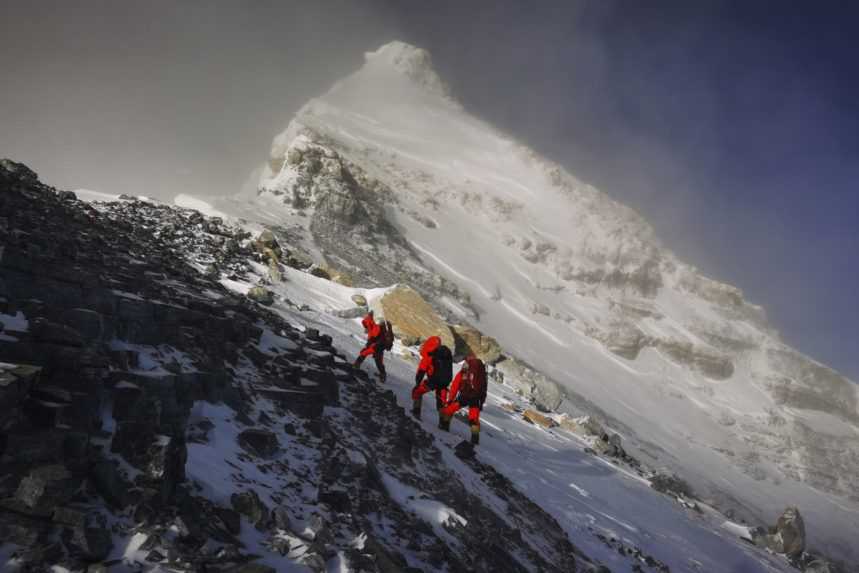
(124, 342)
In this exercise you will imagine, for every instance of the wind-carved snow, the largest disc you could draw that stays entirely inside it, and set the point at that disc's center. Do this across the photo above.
(574, 284)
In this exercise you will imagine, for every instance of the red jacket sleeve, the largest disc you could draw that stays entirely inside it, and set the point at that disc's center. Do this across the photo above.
(424, 368)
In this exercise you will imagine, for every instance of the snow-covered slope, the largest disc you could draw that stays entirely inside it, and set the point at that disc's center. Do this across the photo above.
(607, 510)
(396, 182)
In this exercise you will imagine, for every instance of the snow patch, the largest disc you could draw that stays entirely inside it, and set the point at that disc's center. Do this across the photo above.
(16, 322)
(433, 512)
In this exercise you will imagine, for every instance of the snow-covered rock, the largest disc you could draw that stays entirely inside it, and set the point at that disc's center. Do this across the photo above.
(471, 341)
(413, 318)
(788, 535)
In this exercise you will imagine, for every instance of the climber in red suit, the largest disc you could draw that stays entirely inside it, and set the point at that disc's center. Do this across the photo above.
(467, 390)
(433, 374)
(374, 346)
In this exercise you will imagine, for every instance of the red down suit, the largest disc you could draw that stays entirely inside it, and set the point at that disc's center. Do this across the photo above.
(374, 346)
(431, 374)
(468, 390)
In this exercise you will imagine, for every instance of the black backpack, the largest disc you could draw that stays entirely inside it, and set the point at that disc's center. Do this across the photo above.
(442, 367)
(387, 335)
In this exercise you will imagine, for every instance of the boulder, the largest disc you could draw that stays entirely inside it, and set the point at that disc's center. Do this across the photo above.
(464, 450)
(788, 535)
(43, 413)
(166, 464)
(131, 440)
(251, 506)
(591, 426)
(791, 527)
(266, 244)
(109, 483)
(671, 485)
(85, 532)
(359, 300)
(469, 340)
(539, 419)
(45, 488)
(88, 323)
(609, 445)
(616, 443)
(259, 442)
(546, 394)
(16, 380)
(281, 518)
(46, 331)
(337, 499)
(320, 271)
(261, 295)
(413, 317)
(230, 518)
(126, 399)
(340, 277)
(298, 260)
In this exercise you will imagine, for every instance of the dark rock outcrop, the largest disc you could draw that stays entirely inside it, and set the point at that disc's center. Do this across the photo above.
(112, 323)
(259, 442)
(786, 537)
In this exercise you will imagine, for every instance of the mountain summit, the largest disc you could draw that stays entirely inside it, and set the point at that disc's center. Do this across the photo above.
(414, 63)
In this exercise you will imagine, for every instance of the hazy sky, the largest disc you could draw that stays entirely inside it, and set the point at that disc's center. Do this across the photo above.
(732, 126)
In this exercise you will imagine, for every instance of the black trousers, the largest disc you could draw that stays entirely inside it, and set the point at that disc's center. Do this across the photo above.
(378, 358)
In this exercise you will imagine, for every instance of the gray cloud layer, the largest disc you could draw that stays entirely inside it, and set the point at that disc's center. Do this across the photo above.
(164, 97)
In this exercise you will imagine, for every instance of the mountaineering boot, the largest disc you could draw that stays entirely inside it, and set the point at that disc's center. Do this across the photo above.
(416, 408)
(443, 422)
(475, 434)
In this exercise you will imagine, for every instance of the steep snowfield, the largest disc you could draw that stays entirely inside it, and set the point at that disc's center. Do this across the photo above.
(578, 286)
(589, 496)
